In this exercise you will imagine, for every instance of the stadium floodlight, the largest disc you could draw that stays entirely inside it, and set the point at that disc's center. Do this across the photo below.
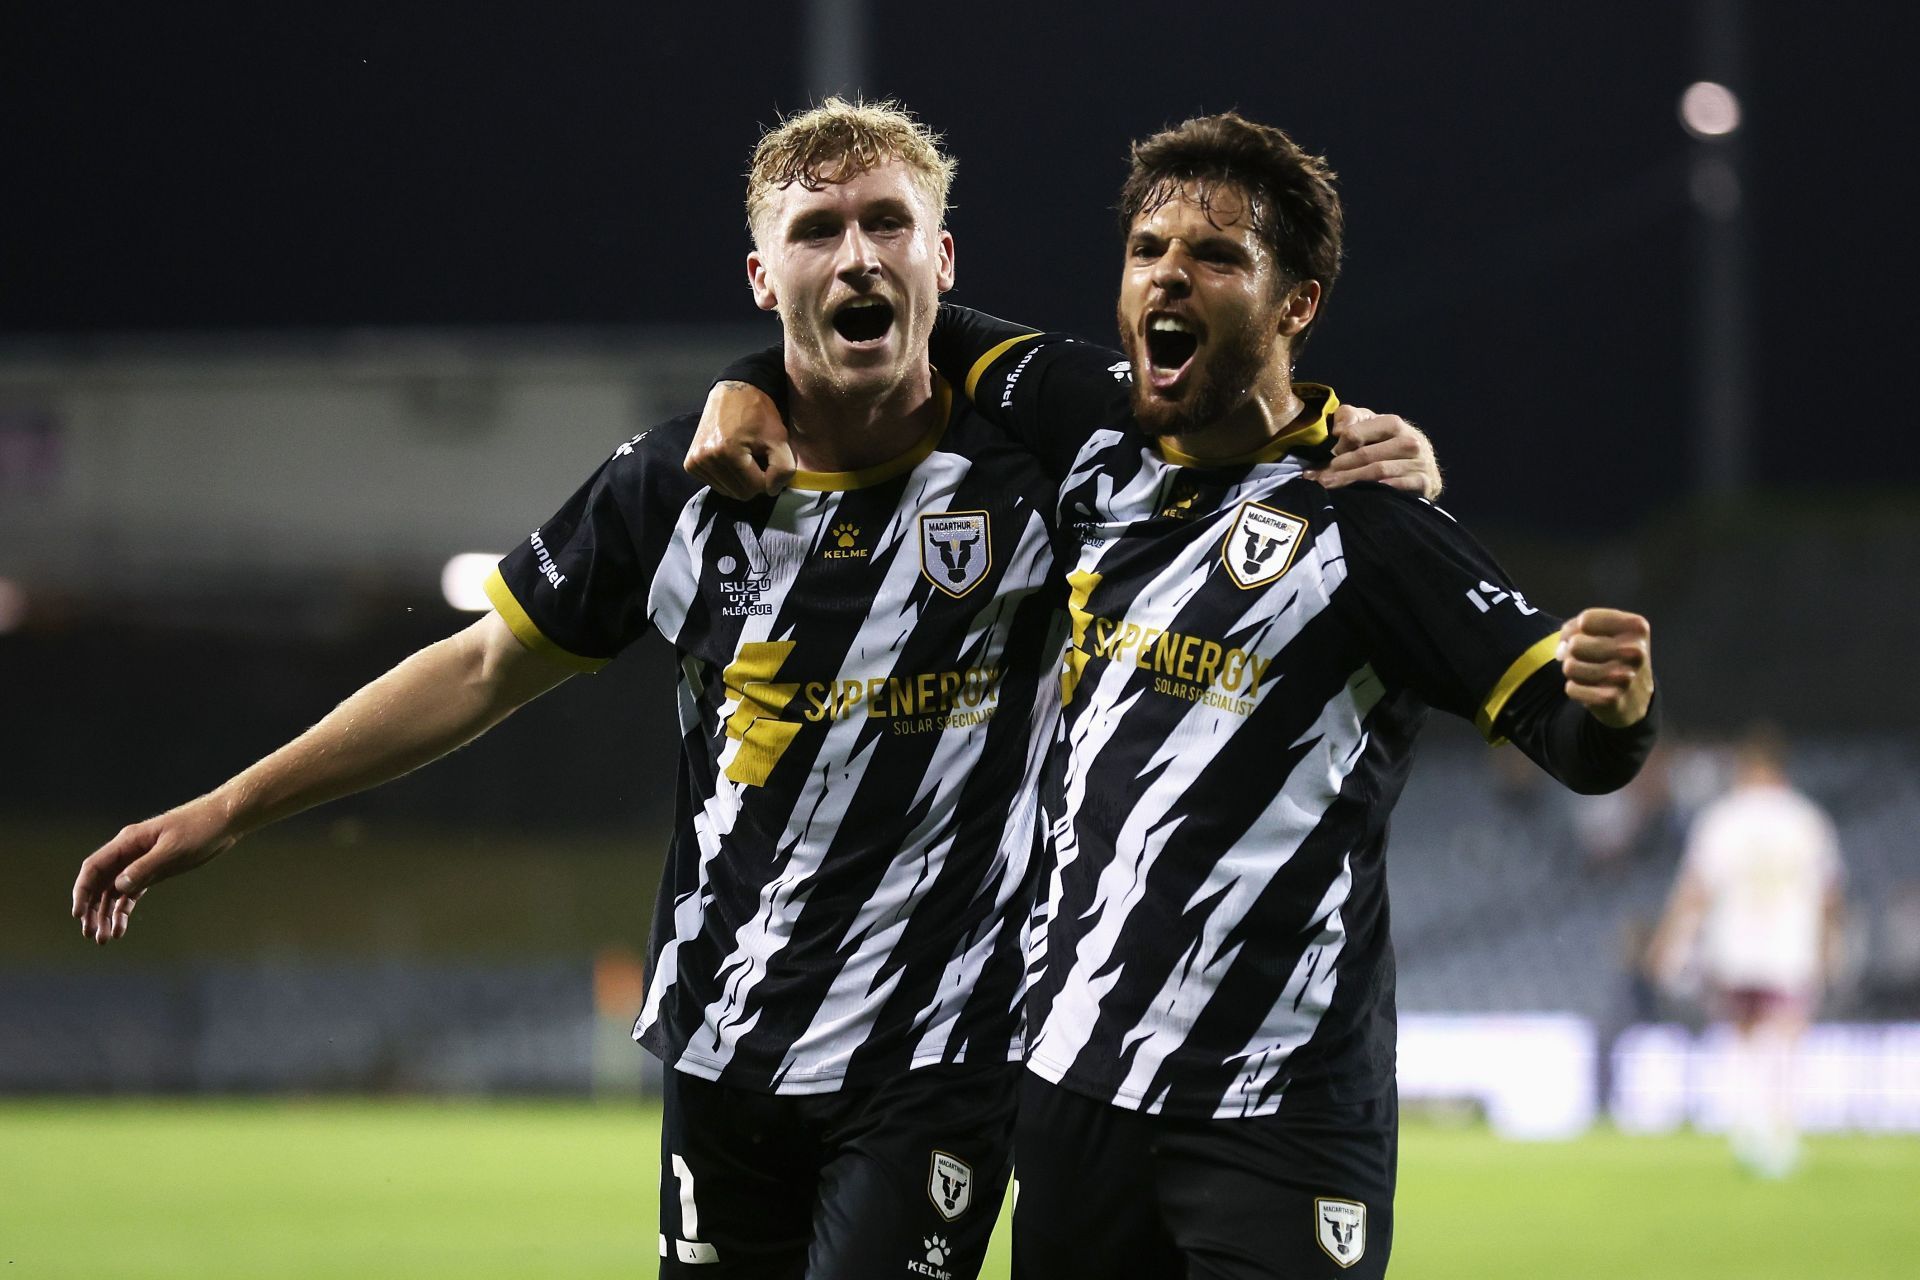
(1709, 110)
(463, 581)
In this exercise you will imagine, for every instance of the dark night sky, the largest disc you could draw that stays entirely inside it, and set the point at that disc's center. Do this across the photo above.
(1518, 274)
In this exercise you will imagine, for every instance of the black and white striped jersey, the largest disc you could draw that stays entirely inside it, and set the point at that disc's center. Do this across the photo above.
(1250, 659)
(866, 688)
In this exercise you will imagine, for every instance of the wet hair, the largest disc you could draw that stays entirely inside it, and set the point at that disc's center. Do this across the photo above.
(838, 141)
(1295, 210)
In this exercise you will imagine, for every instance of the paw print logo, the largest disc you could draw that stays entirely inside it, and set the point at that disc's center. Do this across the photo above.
(937, 1247)
(845, 534)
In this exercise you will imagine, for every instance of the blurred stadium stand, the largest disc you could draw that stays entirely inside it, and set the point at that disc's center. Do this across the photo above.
(1510, 895)
(307, 1027)
(208, 543)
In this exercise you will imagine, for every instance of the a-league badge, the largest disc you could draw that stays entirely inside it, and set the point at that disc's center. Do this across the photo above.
(950, 1185)
(956, 550)
(1342, 1227)
(1261, 544)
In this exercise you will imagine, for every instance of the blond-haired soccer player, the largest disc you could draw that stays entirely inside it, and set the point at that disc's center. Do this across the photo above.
(866, 679)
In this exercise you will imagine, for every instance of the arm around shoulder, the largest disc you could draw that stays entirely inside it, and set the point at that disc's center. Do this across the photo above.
(740, 448)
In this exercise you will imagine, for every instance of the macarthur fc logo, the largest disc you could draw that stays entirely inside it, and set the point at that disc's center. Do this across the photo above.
(1261, 544)
(1342, 1228)
(950, 1185)
(956, 550)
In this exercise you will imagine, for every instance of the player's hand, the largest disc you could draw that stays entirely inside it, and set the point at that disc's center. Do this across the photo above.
(1607, 658)
(116, 875)
(1381, 447)
(740, 447)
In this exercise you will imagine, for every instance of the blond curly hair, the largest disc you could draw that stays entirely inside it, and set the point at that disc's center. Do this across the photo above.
(838, 141)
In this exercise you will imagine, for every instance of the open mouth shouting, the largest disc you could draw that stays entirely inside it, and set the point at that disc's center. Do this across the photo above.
(864, 321)
(1171, 343)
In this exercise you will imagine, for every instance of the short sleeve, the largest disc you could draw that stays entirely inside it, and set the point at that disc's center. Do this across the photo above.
(1443, 618)
(576, 589)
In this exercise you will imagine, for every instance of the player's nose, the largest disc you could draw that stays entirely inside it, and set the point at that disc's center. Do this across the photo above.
(1172, 270)
(857, 256)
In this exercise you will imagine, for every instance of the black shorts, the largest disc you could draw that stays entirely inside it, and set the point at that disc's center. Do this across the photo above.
(1120, 1195)
(903, 1179)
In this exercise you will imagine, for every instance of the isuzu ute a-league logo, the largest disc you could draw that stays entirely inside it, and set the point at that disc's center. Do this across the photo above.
(956, 550)
(745, 577)
(950, 1185)
(1260, 546)
(1342, 1225)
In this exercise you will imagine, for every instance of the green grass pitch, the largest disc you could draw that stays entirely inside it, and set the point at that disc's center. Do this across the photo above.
(426, 1190)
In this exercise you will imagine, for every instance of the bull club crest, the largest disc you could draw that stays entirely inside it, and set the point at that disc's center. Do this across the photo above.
(950, 1185)
(1261, 545)
(956, 550)
(1342, 1228)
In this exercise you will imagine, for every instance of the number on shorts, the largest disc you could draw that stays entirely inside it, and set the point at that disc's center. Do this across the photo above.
(689, 1247)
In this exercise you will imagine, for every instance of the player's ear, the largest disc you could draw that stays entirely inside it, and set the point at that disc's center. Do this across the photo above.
(945, 248)
(760, 280)
(1298, 307)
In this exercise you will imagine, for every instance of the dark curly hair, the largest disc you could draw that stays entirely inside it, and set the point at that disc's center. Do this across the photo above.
(1296, 211)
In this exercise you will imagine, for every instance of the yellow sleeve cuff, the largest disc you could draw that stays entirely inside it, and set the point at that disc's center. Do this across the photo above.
(1538, 655)
(524, 630)
(985, 362)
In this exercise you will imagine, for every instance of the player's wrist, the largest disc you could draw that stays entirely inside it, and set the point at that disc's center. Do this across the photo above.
(231, 810)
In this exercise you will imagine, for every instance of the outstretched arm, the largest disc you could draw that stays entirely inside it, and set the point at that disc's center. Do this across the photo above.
(439, 699)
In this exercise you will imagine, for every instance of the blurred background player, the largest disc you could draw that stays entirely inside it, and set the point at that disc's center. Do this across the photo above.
(1756, 911)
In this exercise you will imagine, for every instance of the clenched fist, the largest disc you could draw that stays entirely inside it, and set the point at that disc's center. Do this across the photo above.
(1607, 657)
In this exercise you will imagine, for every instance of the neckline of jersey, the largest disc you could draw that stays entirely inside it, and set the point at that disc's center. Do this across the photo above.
(879, 472)
(1312, 432)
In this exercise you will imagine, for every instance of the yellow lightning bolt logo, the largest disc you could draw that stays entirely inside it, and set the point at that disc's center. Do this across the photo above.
(1081, 585)
(755, 723)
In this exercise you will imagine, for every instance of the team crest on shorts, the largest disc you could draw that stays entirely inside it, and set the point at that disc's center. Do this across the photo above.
(1261, 544)
(1341, 1226)
(950, 1185)
(956, 550)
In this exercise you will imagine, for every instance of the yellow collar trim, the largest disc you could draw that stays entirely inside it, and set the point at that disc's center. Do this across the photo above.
(837, 481)
(1313, 431)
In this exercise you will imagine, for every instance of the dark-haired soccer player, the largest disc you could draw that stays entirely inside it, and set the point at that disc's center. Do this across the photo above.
(1211, 1031)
